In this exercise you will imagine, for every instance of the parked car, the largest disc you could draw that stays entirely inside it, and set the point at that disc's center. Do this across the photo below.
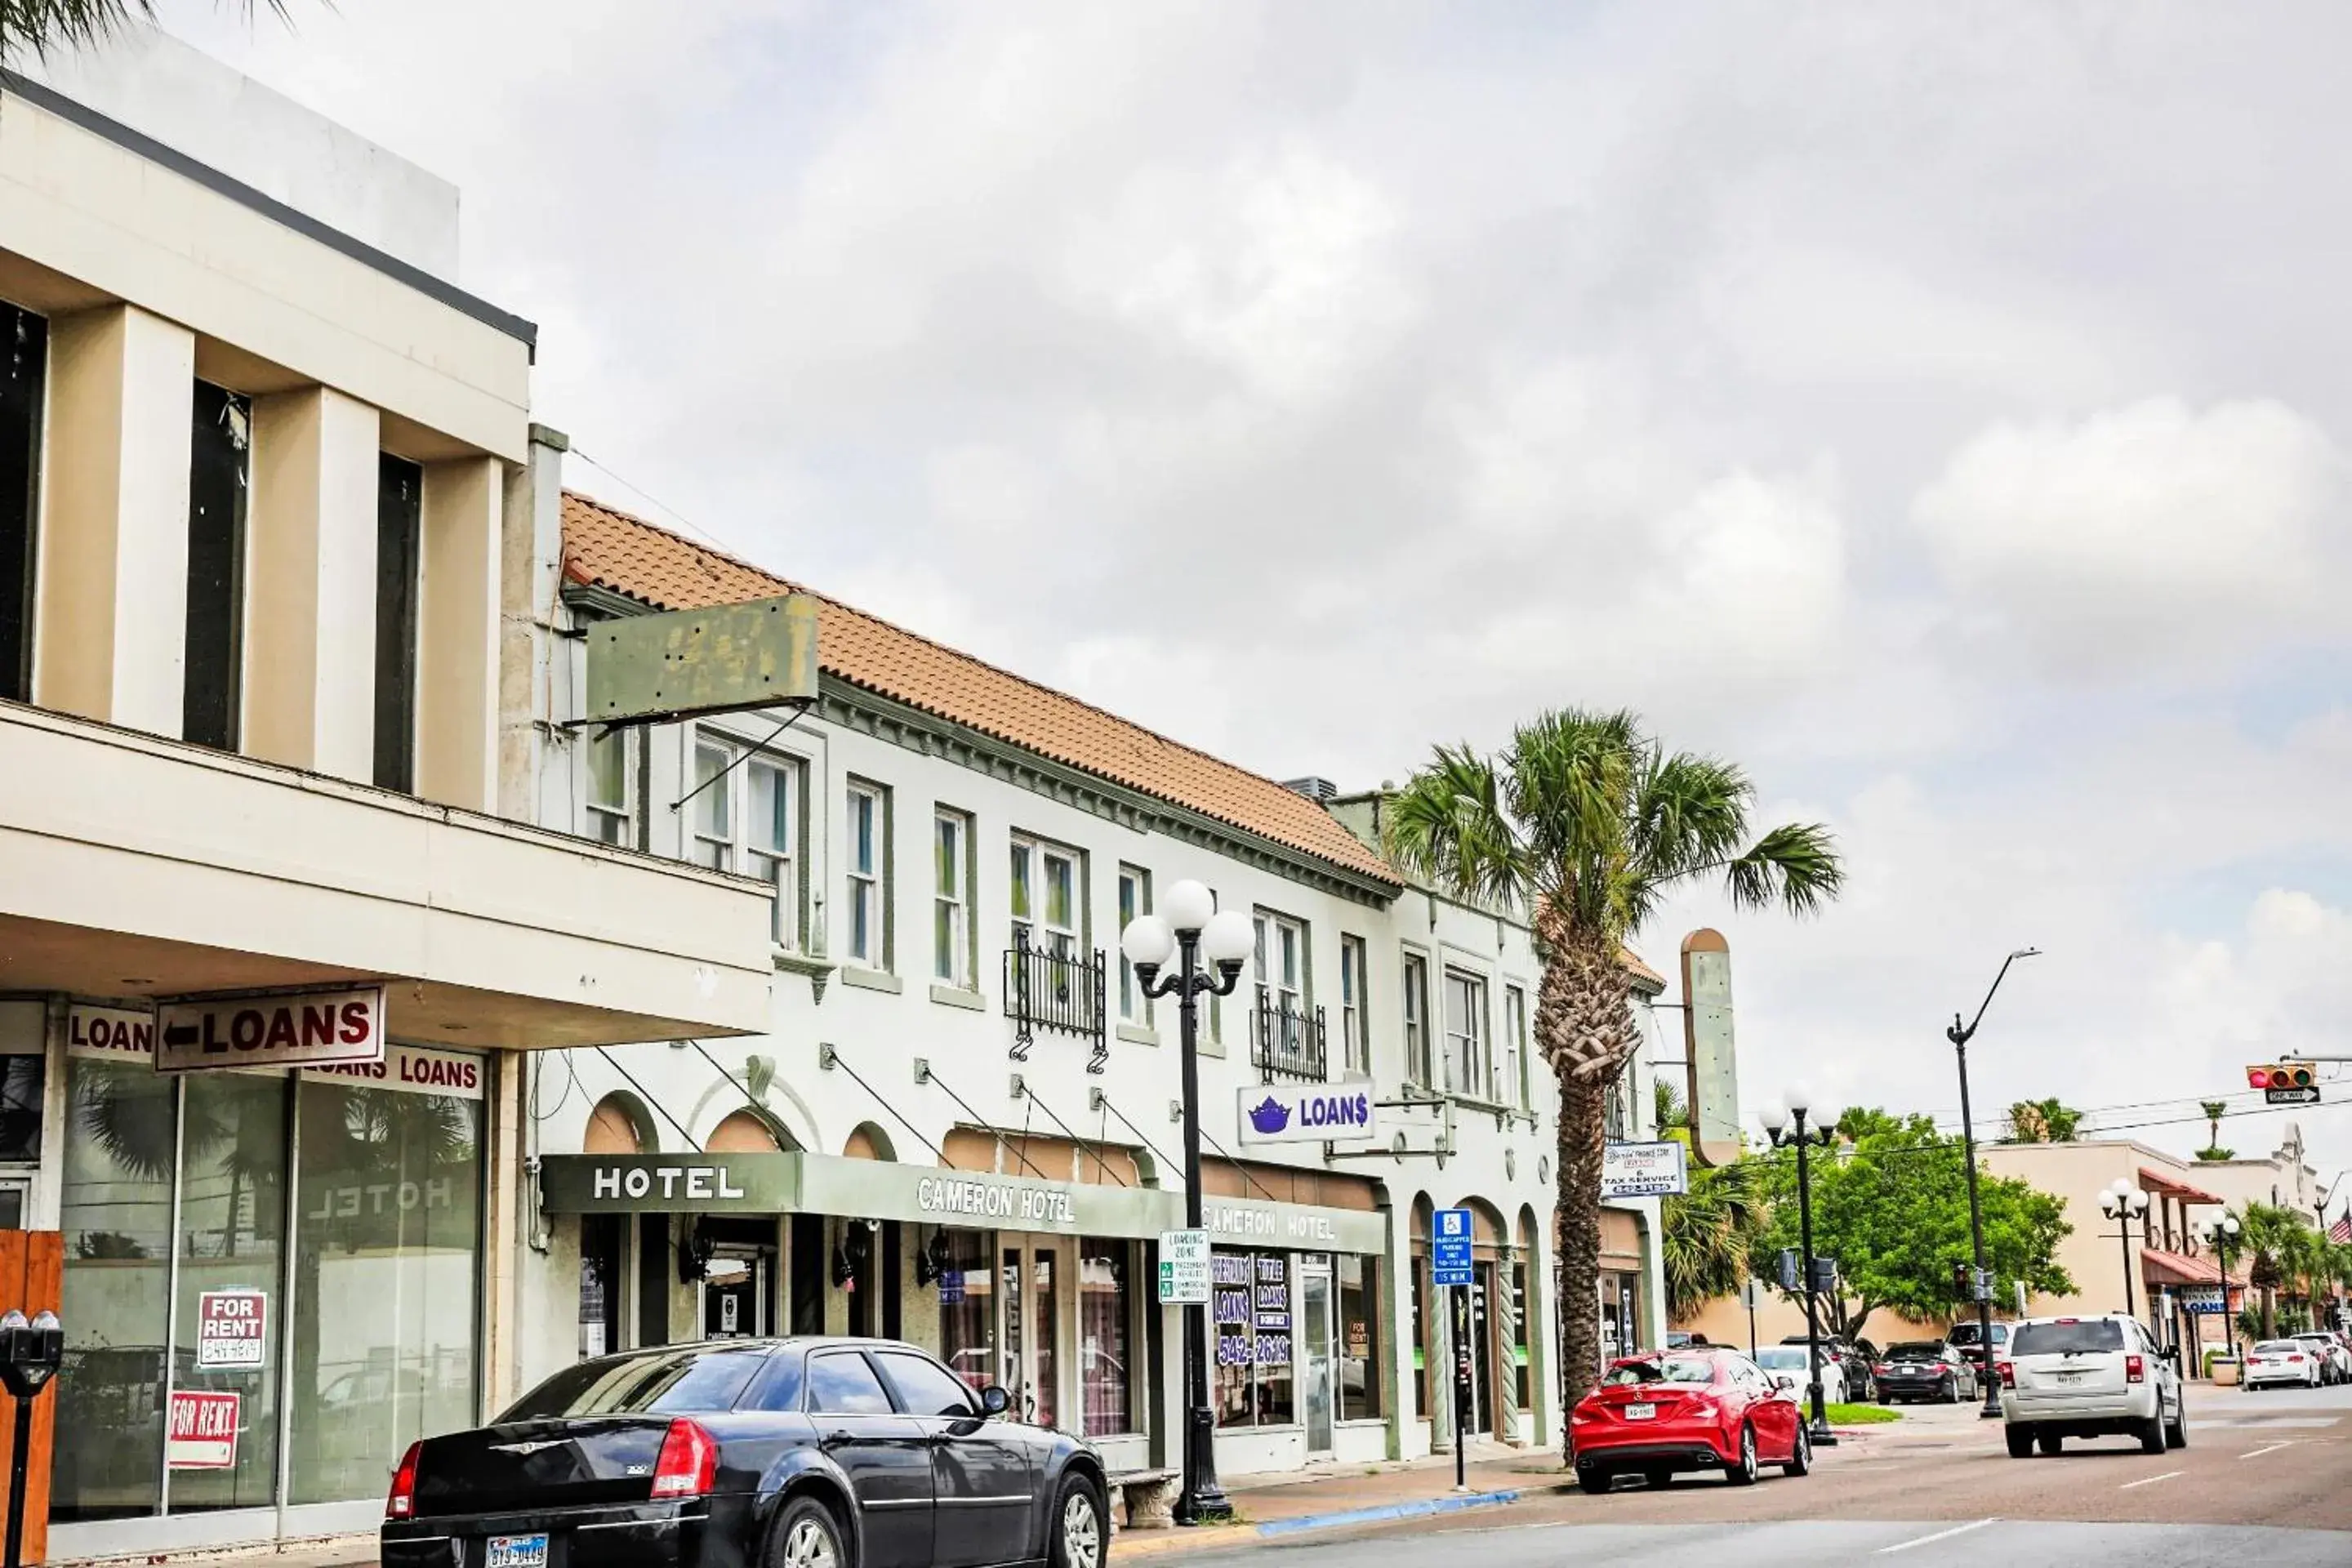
(1924, 1369)
(2089, 1377)
(814, 1452)
(2281, 1363)
(1787, 1366)
(1963, 1339)
(1657, 1416)
(2335, 1361)
(1854, 1358)
(1678, 1338)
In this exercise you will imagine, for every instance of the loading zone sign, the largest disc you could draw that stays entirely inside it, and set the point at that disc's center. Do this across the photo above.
(1184, 1267)
(1449, 1249)
(232, 1330)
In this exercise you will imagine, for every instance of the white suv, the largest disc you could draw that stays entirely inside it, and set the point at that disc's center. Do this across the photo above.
(2089, 1377)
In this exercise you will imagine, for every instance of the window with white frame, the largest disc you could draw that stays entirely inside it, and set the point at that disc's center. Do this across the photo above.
(867, 918)
(1518, 1061)
(1415, 972)
(615, 767)
(1134, 899)
(952, 899)
(1282, 960)
(746, 819)
(1354, 1038)
(1466, 1065)
(1045, 903)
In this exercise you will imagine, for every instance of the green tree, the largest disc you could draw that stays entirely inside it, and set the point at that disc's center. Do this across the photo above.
(37, 26)
(2277, 1241)
(2214, 1111)
(2042, 1121)
(1670, 1113)
(1586, 822)
(1892, 1208)
(1710, 1235)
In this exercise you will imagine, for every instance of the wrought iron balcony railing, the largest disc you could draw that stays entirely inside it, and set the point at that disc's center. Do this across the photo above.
(1289, 1040)
(1046, 989)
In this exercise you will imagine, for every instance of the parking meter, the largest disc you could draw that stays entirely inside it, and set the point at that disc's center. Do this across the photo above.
(30, 1354)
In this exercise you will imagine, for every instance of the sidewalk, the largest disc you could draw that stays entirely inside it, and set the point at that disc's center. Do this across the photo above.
(1291, 1502)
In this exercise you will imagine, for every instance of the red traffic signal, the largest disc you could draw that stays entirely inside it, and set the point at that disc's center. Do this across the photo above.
(2281, 1075)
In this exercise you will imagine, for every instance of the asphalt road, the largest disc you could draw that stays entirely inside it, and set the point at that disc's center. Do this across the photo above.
(2267, 1478)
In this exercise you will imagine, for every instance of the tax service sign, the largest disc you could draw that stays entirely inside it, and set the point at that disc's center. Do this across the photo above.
(1307, 1113)
(1643, 1171)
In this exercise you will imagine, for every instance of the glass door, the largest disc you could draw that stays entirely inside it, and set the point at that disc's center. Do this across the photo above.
(735, 1294)
(1477, 1323)
(1315, 1310)
(1029, 1331)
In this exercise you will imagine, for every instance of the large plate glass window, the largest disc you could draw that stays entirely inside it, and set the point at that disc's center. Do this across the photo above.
(1360, 1337)
(1106, 1360)
(1465, 1036)
(1256, 1351)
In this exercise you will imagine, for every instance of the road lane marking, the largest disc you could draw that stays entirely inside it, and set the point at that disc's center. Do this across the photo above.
(2151, 1480)
(2258, 1453)
(1939, 1535)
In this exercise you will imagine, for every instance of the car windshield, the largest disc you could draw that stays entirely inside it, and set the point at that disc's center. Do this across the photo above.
(1666, 1369)
(2062, 1338)
(2276, 1347)
(1782, 1358)
(1917, 1349)
(658, 1383)
(1966, 1334)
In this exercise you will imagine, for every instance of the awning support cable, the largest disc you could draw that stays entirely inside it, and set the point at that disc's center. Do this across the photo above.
(828, 1056)
(1079, 1139)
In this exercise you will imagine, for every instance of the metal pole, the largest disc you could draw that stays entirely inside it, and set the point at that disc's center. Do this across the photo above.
(16, 1461)
(1822, 1436)
(1461, 1384)
(1980, 1284)
(1203, 1501)
(2123, 1235)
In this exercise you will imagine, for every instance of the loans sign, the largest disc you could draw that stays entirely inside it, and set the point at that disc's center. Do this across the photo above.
(1307, 1113)
(298, 1029)
(1643, 1171)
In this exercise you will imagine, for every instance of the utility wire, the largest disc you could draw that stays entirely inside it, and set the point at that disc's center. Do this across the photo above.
(978, 1120)
(1165, 1163)
(646, 1095)
(1031, 1094)
(840, 1062)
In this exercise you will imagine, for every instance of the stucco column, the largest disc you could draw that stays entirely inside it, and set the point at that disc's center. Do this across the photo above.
(112, 600)
(458, 635)
(310, 534)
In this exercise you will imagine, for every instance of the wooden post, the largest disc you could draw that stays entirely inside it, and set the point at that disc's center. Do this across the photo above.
(32, 1266)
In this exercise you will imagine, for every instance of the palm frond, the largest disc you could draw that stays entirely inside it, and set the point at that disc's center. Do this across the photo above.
(1449, 825)
(1795, 866)
(1690, 815)
(42, 25)
(1571, 785)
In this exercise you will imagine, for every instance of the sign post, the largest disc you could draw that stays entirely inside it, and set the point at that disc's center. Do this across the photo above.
(1450, 1269)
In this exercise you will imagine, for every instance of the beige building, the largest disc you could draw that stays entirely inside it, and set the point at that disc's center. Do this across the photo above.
(263, 728)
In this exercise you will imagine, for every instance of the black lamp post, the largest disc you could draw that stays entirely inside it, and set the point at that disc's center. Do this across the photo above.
(1784, 1123)
(2124, 1203)
(1960, 1034)
(2221, 1231)
(1189, 929)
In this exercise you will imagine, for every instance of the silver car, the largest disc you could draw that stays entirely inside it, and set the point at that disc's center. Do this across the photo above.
(2089, 1377)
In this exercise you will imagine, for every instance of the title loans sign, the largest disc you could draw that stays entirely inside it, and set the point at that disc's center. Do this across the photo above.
(1307, 1113)
(301, 1028)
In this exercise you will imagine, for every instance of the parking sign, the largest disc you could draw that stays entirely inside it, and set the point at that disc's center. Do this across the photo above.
(1449, 1259)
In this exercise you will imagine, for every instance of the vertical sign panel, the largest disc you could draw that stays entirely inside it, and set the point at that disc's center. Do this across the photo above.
(1707, 1033)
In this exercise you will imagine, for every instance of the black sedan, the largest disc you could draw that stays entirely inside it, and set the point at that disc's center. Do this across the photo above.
(1924, 1369)
(799, 1452)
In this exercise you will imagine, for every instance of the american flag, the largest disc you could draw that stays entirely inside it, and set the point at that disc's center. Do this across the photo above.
(2341, 1231)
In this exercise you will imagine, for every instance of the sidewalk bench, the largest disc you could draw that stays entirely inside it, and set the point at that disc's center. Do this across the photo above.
(1150, 1497)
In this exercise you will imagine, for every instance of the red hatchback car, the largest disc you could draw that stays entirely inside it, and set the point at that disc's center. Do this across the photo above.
(1656, 1416)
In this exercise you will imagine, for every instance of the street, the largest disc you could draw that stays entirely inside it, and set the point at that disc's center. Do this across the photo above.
(2266, 1475)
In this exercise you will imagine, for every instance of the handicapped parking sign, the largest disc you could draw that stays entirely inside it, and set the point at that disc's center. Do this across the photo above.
(1449, 1259)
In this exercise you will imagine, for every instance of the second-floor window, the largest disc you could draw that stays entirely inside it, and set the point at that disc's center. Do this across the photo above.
(867, 917)
(614, 767)
(24, 376)
(1134, 899)
(399, 546)
(1282, 960)
(213, 694)
(1046, 879)
(1466, 1071)
(746, 820)
(1519, 1062)
(1355, 1043)
(951, 900)
(1417, 1064)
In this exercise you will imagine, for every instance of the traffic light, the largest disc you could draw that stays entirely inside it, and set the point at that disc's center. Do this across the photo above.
(2281, 1075)
(1961, 1280)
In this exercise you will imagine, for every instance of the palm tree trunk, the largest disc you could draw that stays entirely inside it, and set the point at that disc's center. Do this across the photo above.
(1577, 1210)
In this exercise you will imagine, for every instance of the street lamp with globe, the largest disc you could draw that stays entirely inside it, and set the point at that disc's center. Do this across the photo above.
(1189, 929)
(2221, 1230)
(1784, 1123)
(2122, 1202)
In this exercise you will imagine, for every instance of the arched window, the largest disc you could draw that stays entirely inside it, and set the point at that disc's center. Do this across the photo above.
(619, 1126)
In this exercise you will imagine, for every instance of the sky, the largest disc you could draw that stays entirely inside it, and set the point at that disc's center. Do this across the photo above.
(1940, 410)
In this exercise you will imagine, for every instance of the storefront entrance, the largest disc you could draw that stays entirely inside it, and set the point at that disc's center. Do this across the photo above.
(1029, 1320)
(1315, 1340)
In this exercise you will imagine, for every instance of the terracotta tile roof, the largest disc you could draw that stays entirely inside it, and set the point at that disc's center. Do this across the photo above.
(2161, 1268)
(627, 555)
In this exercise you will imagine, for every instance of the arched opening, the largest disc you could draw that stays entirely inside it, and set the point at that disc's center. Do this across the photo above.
(868, 1142)
(1426, 1333)
(619, 1125)
(746, 1131)
(1532, 1291)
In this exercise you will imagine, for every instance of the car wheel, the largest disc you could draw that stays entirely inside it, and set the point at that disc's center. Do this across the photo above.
(1801, 1461)
(1593, 1479)
(806, 1535)
(1742, 1471)
(1077, 1525)
(2151, 1433)
(2176, 1431)
(1654, 1479)
(2020, 1441)
(2049, 1443)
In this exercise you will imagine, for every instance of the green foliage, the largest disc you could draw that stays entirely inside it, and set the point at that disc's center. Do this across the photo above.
(2214, 1111)
(1860, 1414)
(1710, 1233)
(1893, 1210)
(1669, 1113)
(2214, 1156)
(2042, 1121)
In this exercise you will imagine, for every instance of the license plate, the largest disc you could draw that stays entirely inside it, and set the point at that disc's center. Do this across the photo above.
(2070, 1377)
(1641, 1412)
(517, 1551)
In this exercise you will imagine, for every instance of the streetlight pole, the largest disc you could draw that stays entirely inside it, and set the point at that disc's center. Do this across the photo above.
(1777, 1126)
(2123, 1203)
(2223, 1231)
(1982, 1282)
(1191, 930)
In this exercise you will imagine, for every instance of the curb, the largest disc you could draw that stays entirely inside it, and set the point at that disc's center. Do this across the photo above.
(1159, 1542)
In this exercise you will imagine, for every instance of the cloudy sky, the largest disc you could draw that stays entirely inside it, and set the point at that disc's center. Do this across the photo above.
(1938, 408)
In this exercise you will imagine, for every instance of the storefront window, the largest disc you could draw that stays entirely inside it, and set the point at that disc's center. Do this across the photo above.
(1522, 1374)
(967, 1309)
(1104, 1369)
(388, 1231)
(600, 1284)
(115, 1208)
(1419, 1328)
(1360, 1337)
(1251, 1300)
(230, 1297)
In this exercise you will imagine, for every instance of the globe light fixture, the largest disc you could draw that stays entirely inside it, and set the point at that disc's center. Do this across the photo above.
(1149, 941)
(1188, 906)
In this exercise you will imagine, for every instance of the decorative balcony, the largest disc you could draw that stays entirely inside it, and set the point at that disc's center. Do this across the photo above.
(1045, 989)
(1288, 1041)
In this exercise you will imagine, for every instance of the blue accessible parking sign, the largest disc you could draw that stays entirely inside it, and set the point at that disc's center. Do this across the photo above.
(1449, 1259)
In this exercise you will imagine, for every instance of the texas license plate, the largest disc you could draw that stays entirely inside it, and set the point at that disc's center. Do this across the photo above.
(1641, 1412)
(517, 1551)
(2070, 1377)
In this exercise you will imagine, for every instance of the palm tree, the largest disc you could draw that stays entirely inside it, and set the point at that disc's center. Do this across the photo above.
(2271, 1235)
(2214, 1111)
(1709, 1232)
(1584, 824)
(40, 26)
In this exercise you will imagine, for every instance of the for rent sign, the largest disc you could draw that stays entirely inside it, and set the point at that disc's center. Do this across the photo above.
(232, 1330)
(202, 1434)
(296, 1029)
